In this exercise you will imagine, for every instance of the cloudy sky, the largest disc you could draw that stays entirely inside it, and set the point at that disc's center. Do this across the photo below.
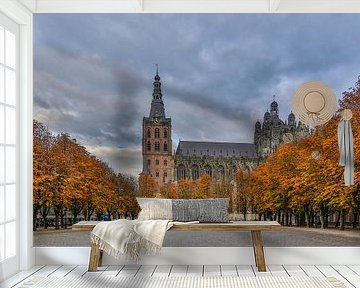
(93, 73)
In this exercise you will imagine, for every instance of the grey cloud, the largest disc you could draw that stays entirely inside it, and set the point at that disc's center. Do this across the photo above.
(93, 72)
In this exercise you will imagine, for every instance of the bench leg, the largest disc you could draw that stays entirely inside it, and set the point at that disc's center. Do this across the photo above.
(258, 250)
(95, 258)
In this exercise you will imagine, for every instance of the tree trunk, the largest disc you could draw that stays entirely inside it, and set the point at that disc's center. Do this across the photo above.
(337, 221)
(326, 224)
(297, 220)
(355, 220)
(63, 218)
(307, 219)
(57, 212)
(75, 210)
(35, 213)
(322, 218)
(87, 214)
(312, 219)
(342, 219)
(44, 211)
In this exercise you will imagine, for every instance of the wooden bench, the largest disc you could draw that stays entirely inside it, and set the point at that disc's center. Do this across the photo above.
(256, 227)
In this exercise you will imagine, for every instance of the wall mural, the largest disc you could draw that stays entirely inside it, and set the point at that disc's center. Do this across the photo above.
(194, 106)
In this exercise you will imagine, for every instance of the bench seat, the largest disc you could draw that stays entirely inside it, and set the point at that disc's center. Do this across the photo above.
(256, 227)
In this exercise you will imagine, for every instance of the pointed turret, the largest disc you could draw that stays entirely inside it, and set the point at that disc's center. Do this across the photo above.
(274, 107)
(157, 105)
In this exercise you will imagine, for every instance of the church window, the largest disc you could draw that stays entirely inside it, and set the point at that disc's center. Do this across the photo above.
(157, 133)
(148, 162)
(165, 174)
(208, 170)
(157, 146)
(195, 172)
(157, 161)
(165, 133)
(221, 171)
(148, 146)
(148, 133)
(165, 162)
(180, 172)
(165, 146)
(157, 174)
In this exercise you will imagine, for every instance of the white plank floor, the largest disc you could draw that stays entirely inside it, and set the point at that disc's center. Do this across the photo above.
(350, 275)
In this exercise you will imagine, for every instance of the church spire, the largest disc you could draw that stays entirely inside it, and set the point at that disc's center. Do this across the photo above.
(157, 95)
(157, 105)
(274, 107)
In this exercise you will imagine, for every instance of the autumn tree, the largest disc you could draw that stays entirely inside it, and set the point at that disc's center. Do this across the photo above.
(43, 171)
(146, 186)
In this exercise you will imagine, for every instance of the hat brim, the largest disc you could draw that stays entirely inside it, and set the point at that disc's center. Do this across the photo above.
(314, 103)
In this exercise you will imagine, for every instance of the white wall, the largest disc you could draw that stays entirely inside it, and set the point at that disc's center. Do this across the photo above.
(210, 256)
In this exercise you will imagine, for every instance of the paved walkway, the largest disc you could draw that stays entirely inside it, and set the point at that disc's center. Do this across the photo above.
(288, 237)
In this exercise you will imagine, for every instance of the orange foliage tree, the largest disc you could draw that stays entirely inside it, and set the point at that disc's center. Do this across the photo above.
(146, 186)
(292, 182)
(68, 178)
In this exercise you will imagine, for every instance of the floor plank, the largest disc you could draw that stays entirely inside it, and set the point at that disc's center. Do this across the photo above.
(97, 273)
(212, 270)
(229, 270)
(178, 270)
(20, 277)
(277, 270)
(355, 268)
(195, 271)
(79, 271)
(294, 270)
(349, 274)
(62, 271)
(146, 271)
(162, 271)
(328, 271)
(112, 270)
(261, 274)
(311, 271)
(46, 271)
(129, 270)
(245, 271)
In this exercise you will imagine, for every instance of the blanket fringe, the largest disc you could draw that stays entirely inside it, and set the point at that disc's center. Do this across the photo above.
(133, 248)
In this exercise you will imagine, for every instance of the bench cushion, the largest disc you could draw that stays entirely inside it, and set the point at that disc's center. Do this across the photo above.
(212, 210)
(155, 209)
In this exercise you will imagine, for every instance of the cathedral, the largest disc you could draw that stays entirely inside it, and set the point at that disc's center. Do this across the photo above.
(219, 160)
(272, 132)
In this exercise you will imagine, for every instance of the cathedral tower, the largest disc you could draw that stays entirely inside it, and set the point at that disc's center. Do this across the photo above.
(157, 144)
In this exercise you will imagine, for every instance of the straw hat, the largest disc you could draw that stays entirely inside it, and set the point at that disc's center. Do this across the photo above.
(314, 103)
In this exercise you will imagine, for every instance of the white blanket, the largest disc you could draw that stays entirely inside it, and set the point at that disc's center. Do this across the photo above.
(130, 237)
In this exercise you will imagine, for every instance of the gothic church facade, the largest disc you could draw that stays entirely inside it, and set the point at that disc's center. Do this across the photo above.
(270, 134)
(219, 160)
